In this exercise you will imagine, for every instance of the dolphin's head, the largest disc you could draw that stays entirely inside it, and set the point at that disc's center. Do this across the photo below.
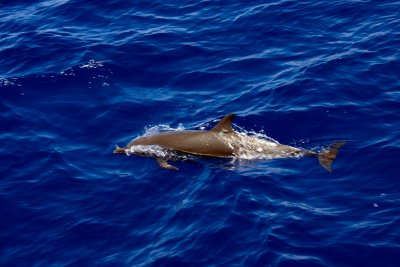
(140, 141)
(137, 142)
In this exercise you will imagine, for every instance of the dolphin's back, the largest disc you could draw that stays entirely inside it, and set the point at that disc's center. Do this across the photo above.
(204, 143)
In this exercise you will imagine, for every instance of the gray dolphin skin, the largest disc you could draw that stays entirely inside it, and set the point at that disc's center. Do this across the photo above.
(221, 142)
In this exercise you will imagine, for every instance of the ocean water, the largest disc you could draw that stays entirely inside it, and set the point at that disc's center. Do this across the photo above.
(78, 78)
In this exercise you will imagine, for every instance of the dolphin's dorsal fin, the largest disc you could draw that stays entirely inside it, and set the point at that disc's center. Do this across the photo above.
(224, 125)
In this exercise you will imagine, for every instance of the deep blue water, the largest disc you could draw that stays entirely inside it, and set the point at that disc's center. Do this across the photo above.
(78, 78)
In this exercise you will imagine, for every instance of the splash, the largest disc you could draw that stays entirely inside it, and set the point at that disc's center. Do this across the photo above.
(155, 151)
(92, 64)
(258, 146)
(160, 128)
(252, 133)
(9, 82)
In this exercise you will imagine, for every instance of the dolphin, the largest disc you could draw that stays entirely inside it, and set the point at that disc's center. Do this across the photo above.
(221, 142)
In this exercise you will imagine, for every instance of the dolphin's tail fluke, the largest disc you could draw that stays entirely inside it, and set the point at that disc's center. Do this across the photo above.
(119, 151)
(327, 156)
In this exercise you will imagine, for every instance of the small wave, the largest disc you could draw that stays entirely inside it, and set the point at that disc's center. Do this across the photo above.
(92, 64)
(9, 82)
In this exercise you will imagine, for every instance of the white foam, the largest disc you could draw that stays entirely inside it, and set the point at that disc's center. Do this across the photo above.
(155, 151)
(9, 82)
(92, 64)
(258, 146)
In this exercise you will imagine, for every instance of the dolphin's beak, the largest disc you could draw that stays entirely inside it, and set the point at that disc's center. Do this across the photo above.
(119, 151)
